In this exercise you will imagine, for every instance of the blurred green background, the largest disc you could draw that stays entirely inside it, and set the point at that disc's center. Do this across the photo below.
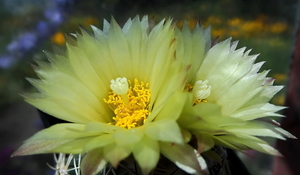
(265, 26)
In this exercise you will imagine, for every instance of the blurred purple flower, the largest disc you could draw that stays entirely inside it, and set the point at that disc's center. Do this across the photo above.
(6, 61)
(44, 29)
(55, 16)
(13, 46)
(27, 42)
(65, 3)
(24, 43)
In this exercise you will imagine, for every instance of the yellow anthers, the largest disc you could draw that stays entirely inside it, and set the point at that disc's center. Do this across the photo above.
(131, 109)
(188, 88)
(199, 101)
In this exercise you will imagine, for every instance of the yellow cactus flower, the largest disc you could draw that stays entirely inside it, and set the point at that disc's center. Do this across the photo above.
(121, 89)
(146, 90)
(229, 96)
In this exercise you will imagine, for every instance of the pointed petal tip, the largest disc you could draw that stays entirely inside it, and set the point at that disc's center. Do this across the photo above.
(14, 154)
(183, 156)
(20, 152)
(279, 154)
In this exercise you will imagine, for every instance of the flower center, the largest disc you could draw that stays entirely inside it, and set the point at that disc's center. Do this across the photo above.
(200, 90)
(129, 103)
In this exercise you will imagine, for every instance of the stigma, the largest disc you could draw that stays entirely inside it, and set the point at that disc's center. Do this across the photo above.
(201, 90)
(119, 86)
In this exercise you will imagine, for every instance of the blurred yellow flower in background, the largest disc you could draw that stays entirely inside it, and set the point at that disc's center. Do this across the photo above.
(234, 22)
(237, 27)
(58, 38)
(250, 28)
(218, 32)
(278, 27)
(213, 20)
(87, 21)
(280, 77)
(279, 99)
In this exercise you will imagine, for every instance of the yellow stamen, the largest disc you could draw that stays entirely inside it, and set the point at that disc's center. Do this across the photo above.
(199, 101)
(188, 88)
(131, 109)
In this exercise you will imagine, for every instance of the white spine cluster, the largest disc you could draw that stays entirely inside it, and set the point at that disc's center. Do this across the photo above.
(63, 162)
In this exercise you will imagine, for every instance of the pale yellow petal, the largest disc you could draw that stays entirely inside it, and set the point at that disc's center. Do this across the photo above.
(119, 50)
(182, 155)
(127, 136)
(102, 127)
(136, 39)
(204, 142)
(51, 138)
(191, 47)
(245, 142)
(114, 153)
(81, 64)
(164, 130)
(146, 153)
(170, 109)
(98, 142)
(94, 49)
(93, 162)
(72, 147)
